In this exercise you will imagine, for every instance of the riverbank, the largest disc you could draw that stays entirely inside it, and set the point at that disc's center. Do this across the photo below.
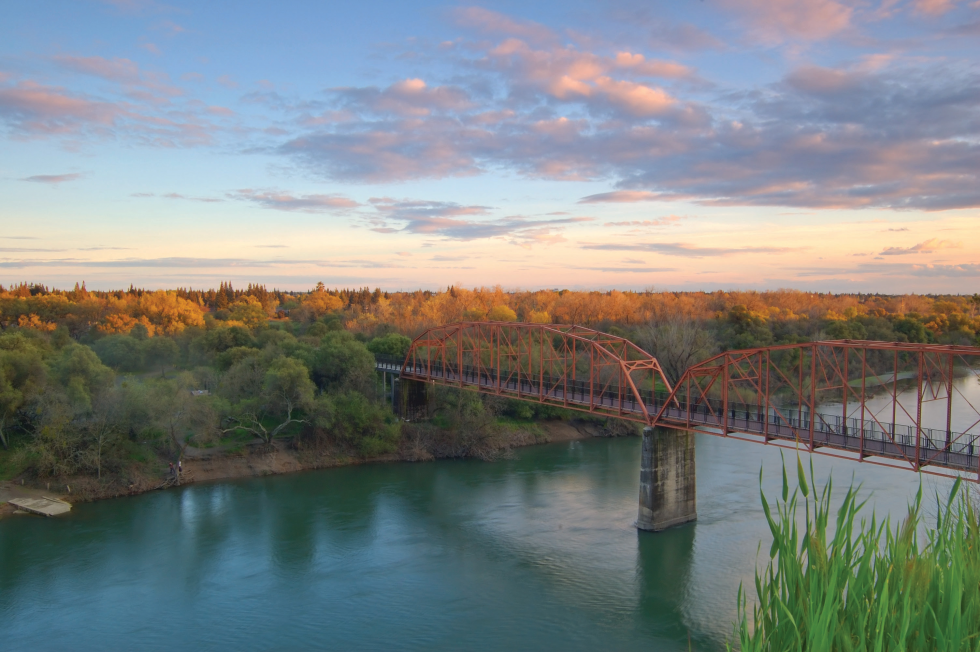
(284, 456)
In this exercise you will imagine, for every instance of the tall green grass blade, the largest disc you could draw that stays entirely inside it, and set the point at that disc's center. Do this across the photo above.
(864, 584)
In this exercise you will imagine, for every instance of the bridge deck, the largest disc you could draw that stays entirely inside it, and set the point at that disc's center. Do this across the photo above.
(894, 442)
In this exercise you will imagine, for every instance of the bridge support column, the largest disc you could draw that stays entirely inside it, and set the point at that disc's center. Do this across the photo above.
(413, 400)
(668, 495)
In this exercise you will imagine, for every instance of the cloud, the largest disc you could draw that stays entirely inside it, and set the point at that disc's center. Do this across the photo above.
(282, 201)
(22, 250)
(660, 221)
(29, 107)
(176, 195)
(390, 151)
(459, 222)
(902, 136)
(933, 7)
(926, 247)
(621, 197)
(967, 29)
(967, 270)
(777, 21)
(144, 113)
(491, 22)
(450, 259)
(53, 179)
(683, 37)
(409, 97)
(638, 270)
(122, 71)
(168, 262)
(688, 250)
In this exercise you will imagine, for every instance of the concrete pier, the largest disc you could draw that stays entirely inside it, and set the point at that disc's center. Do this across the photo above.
(413, 399)
(668, 493)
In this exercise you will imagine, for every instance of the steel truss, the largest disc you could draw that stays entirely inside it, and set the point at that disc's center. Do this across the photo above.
(568, 366)
(859, 399)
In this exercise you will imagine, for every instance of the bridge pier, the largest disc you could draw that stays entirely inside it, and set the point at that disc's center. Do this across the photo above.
(668, 495)
(412, 399)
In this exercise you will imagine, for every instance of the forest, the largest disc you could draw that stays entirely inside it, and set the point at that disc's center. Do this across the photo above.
(107, 388)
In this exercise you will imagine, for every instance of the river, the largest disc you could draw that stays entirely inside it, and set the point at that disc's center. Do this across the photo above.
(535, 552)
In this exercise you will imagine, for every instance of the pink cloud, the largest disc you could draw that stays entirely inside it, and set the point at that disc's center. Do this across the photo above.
(636, 99)
(786, 20)
(654, 68)
(142, 85)
(117, 70)
(927, 247)
(933, 7)
(622, 197)
(282, 201)
(34, 108)
(491, 22)
(660, 221)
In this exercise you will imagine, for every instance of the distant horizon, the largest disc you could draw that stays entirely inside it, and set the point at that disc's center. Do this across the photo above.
(509, 290)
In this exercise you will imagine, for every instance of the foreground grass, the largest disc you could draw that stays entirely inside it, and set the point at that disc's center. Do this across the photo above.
(865, 585)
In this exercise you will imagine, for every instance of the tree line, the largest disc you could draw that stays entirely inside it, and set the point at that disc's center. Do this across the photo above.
(98, 383)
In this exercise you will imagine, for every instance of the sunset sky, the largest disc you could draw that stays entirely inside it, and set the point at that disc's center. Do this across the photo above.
(631, 144)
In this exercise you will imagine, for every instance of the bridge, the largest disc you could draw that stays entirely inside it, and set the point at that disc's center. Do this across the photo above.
(879, 402)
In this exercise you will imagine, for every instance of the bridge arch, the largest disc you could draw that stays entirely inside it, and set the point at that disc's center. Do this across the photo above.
(565, 365)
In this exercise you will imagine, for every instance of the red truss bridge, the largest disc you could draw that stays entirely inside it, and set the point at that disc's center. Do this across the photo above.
(911, 405)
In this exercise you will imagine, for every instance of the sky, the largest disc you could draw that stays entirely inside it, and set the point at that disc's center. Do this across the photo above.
(720, 144)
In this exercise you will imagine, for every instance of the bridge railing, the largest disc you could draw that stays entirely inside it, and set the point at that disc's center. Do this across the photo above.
(792, 393)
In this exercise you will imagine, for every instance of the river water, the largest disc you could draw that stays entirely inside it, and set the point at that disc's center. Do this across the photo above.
(536, 552)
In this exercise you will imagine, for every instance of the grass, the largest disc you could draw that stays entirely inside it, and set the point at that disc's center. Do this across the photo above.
(865, 585)
(12, 461)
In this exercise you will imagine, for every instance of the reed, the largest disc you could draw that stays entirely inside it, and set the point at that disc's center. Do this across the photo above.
(865, 585)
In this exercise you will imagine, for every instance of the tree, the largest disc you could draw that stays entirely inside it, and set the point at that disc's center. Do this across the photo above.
(169, 312)
(160, 352)
(366, 425)
(318, 303)
(171, 409)
(501, 313)
(120, 352)
(82, 374)
(22, 374)
(286, 389)
(249, 311)
(677, 341)
(342, 362)
(102, 427)
(391, 344)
